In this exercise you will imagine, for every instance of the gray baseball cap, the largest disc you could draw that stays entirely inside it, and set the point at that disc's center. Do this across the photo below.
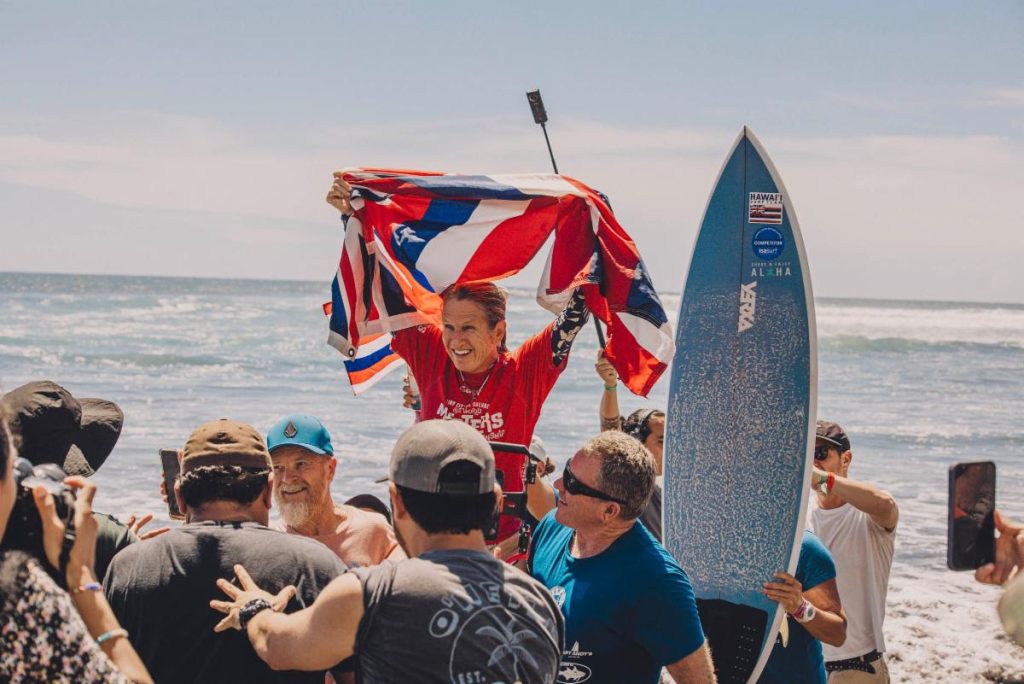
(426, 448)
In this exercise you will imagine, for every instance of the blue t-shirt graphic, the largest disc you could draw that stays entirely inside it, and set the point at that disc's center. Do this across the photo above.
(801, 662)
(628, 611)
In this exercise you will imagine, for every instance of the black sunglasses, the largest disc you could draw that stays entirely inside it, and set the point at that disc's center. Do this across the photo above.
(821, 452)
(574, 486)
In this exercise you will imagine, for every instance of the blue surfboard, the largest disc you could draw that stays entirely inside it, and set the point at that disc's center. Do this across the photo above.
(741, 414)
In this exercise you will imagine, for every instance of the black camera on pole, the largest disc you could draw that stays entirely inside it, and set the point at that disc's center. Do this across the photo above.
(514, 503)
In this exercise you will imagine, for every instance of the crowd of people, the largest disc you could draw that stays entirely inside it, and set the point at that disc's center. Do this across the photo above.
(418, 590)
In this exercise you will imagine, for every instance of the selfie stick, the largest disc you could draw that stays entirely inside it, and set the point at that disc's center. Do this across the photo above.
(540, 116)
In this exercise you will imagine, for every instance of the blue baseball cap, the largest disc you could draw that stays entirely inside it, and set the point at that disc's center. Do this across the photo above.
(302, 430)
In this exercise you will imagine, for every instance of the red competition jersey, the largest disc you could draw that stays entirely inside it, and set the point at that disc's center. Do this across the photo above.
(509, 401)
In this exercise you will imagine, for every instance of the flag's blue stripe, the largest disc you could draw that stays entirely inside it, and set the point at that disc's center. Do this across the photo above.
(467, 187)
(410, 239)
(394, 296)
(643, 299)
(363, 362)
(338, 322)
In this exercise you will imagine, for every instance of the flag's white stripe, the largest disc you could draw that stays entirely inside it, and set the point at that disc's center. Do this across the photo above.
(656, 341)
(538, 184)
(373, 346)
(378, 376)
(446, 256)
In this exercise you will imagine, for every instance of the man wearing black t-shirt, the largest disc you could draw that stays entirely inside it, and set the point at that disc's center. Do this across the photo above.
(451, 612)
(161, 590)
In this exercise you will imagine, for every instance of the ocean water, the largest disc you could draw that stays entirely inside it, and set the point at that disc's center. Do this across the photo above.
(918, 386)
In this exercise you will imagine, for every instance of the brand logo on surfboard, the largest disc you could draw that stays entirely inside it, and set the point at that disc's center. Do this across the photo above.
(748, 303)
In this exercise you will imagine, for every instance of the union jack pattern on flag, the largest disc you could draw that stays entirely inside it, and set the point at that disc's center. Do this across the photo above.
(412, 234)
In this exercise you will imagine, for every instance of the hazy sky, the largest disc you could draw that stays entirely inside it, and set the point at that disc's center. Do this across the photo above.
(198, 138)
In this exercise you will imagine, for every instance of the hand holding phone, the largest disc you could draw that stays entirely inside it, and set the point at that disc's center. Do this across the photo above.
(971, 521)
(172, 468)
(1009, 554)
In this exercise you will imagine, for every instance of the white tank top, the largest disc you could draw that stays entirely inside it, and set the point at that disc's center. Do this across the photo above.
(863, 555)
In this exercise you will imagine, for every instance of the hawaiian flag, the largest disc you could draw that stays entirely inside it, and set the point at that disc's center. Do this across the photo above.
(412, 234)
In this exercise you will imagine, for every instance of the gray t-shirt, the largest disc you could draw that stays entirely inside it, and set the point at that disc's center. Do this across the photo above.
(161, 589)
(456, 616)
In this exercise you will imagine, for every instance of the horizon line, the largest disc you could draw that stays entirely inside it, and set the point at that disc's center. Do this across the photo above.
(677, 293)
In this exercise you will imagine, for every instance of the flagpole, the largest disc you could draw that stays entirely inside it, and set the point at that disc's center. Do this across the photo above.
(540, 116)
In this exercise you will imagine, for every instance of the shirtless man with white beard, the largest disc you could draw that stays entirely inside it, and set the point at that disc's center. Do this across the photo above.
(304, 465)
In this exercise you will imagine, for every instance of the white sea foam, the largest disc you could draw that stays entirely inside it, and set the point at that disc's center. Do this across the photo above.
(930, 324)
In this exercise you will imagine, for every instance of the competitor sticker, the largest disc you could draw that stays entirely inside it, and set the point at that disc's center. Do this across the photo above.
(765, 207)
(768, 243)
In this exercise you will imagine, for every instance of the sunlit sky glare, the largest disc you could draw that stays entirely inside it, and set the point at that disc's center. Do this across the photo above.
(198, 138)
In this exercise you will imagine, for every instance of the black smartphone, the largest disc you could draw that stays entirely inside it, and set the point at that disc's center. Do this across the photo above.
(972, 504)
(169, 461)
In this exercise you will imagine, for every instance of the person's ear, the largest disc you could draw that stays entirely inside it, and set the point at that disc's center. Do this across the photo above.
(845, 458)
(332, 466)
(611, 511)
(499, 331)
(180, 499)
(268, 490)
(398, 509)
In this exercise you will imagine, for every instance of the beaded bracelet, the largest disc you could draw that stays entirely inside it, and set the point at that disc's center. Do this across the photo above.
(91, 586)
(112, 634)
(609, 388)
(250, 610)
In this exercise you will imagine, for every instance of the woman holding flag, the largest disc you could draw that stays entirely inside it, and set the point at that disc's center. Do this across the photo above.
(465, 371)
(420, 256)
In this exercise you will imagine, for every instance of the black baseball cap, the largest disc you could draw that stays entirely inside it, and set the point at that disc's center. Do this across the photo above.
(833, 434)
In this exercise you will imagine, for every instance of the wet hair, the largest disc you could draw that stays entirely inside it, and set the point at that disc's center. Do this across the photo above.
(627, 470)
(638, 424)
(451, 513)
(207, 484)
(489, 296)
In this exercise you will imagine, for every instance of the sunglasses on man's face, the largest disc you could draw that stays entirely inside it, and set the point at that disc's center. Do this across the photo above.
(821, 452)
(575, 487)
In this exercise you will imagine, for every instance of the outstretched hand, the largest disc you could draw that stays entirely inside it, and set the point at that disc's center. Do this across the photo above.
(340, 194)
(1009, 553)
(136, 523)
(242, 594)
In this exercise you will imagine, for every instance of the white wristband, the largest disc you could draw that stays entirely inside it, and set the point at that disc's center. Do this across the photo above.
(805, 613)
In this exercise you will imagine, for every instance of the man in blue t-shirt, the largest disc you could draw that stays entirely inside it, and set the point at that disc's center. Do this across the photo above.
(629, 608)
(814, 614)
